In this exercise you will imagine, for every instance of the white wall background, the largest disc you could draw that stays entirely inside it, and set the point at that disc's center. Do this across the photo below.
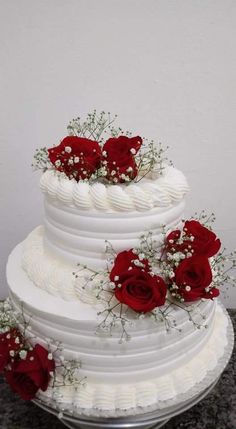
(167, 68)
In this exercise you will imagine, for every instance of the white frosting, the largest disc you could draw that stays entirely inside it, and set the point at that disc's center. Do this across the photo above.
(54, 276)
(144, 195)
(151, 368)
(46, 271)
(78, 236)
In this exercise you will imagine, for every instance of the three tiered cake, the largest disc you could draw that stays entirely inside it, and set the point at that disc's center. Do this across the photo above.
(114, 290)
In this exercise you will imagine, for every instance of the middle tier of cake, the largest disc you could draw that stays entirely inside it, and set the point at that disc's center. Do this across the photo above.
(79, 236)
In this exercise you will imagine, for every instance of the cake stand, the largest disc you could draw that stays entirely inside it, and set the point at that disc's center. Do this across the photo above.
(149, 418)
(152, 420)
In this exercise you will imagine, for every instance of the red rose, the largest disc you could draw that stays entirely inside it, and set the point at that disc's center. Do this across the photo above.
(118, 157)
(9, 342)
(27, 376)
(124, 261)
(204, 241)
(141, 291)
(193, 276)
(77, 157)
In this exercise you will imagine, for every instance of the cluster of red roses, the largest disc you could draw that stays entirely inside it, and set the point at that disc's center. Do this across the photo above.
(26, 369)
(79, 157)
(192, 275)
(188, 273)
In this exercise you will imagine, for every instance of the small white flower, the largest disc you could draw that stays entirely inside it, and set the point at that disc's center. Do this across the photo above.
(104, 153)
(141, 256)
(49, 356)
(112, 285)
(187, 288)
(174, 286)
(17, 340)
(116, 278)
(115, 180)
(133, 151)
(23, 354)
(70, 161)
(113, 173)
(129, 169)
(68, 149)
(12, 353)
(31, 358)
(58, 163)
(76, 159)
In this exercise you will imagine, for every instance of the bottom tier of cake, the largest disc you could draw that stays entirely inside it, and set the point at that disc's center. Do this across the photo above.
(152, 370)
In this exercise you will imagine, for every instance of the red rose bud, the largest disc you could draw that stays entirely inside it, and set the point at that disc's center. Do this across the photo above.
(10, 343)
(119, 158)
(77, 157)
(140, 291)
(171, 242)
(28, 375)
(204, 241)
(193, 277)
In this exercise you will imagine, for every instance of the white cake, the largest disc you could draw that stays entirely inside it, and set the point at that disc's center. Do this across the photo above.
(157, 364)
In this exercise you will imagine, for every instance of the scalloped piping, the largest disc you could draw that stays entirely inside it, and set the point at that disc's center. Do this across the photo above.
(168, 188)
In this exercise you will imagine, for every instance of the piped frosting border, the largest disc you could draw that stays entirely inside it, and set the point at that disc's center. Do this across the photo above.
(162, 191)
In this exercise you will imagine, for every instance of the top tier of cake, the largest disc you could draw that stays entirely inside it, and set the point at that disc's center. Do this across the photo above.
(79, 216)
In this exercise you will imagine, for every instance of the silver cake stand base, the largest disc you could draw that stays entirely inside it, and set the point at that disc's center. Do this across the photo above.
(152, 420)
(155, 426)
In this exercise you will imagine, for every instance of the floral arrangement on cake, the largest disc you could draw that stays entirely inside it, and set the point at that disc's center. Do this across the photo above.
(149, 280)
(26, 365)
(86, 155)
